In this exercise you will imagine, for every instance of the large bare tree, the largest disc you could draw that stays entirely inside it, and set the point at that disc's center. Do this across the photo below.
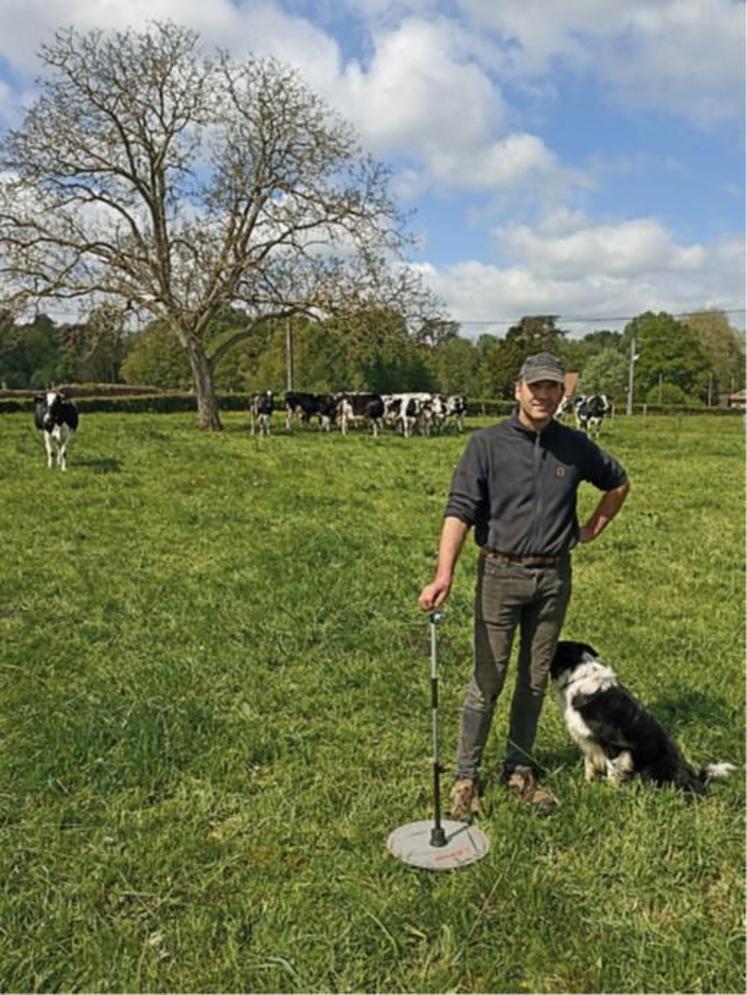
(179, 185)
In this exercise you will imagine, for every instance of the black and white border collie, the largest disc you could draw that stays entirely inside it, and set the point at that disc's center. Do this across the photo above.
(618, 737)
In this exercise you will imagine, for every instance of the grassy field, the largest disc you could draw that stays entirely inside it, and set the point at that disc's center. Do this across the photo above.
(215, 708)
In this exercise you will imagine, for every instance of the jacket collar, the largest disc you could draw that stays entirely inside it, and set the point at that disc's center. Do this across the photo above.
(547, 432)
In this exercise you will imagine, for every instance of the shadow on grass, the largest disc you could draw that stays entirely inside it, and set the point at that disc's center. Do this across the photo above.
(107, 464)
(565, 758)
(683, 708)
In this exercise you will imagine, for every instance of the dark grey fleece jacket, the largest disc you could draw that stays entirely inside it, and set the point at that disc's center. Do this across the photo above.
(518, 487)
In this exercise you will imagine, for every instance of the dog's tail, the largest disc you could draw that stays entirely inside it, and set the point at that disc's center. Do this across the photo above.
(714, 772)
(695, 783)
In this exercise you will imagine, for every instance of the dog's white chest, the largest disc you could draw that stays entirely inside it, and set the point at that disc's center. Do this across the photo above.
(578, 729)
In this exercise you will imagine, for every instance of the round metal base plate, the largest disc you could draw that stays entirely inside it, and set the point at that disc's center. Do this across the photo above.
(412, 843)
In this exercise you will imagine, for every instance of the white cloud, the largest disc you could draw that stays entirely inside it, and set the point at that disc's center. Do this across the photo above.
(683, 56)
(417, 93)
(25, 24)
(258, 28)
(261, 28)
(512, 161)
(568, 246)
(421, 97)
(689, 59)
(7, 103)
(545, 282)
(519, 167)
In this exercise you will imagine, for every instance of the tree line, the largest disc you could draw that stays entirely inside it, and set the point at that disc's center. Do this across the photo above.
(691, 360)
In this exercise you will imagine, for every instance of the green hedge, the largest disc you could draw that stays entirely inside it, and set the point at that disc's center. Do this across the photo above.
(76, 390)
(151, 403)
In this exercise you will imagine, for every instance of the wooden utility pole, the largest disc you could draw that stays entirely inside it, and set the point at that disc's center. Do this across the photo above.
(288, 355)
(631, 377)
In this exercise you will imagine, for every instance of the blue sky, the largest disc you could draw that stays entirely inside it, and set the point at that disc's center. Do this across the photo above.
(582, 158)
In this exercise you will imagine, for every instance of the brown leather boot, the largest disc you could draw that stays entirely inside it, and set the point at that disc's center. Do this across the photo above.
(522, 784)
(465, 799)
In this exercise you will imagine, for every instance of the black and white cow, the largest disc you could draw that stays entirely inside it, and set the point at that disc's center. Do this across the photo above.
(590, 411)
(455, 409)
(438, 411)
(406, 411)
(261, 406)
(299, 405)
(565, 408)
(329, 410)
(392, 404)
(361, 407)
(306, 406)
(420, 411)
(57, 418)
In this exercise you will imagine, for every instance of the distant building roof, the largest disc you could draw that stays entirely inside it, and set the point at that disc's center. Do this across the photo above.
(571, 379)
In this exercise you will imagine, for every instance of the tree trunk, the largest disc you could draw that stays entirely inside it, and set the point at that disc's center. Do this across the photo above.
(207, 402)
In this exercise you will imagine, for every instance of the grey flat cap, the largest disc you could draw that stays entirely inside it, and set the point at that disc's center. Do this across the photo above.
(542, 366)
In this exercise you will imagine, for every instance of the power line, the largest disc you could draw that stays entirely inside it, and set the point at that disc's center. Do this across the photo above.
(568, 317)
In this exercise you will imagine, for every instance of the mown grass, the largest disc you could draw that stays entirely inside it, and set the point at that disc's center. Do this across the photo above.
(215, 709)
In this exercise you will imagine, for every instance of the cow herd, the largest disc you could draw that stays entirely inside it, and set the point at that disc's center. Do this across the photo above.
(56, 417)
(406, 413)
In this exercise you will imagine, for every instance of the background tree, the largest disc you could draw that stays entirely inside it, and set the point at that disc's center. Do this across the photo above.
(723, 348)
(602, 339)
(154, 357)
(30, 354)
(176, 185)
(533, 333)
(93, 351)
(576, 353)
(667, 349)
(435, 332)
(456, 367)
(319, 360)
(605, 373)
(237, 366)
(666, 393)
(380, 354)
(485, 346)
(370, 350)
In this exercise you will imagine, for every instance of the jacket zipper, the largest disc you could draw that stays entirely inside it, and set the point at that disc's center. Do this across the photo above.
(538, 503)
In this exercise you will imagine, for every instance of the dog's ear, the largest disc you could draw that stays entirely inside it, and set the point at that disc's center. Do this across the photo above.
(565, 658)
(588, 648)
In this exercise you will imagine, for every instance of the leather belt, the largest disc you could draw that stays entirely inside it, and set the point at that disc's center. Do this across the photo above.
(525, 561)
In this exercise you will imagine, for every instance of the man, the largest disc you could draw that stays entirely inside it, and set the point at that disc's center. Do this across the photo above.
(516, 486)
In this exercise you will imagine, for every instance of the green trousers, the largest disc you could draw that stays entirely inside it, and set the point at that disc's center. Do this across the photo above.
(509, 597)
